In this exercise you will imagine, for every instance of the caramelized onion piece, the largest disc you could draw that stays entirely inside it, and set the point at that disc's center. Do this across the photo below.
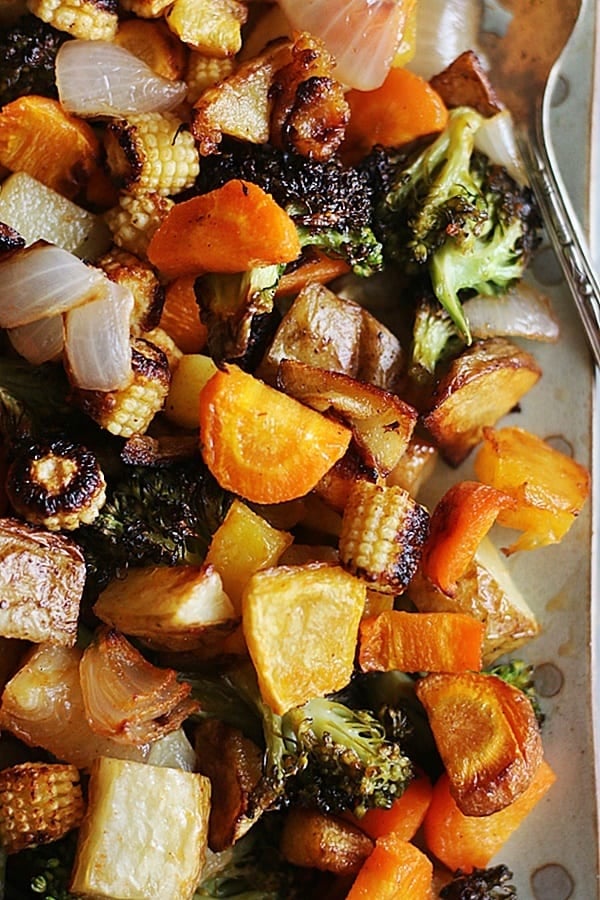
(126, 697)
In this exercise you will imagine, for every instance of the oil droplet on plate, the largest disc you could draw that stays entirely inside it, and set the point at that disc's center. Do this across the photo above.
(552, 882)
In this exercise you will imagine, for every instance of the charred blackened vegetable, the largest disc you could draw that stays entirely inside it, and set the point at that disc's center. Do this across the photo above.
(27, 53)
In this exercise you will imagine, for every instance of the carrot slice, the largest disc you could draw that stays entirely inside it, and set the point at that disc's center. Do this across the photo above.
(232, 229)
(262, 444)
(404, 108)
(420, 642)
(466, 842)
(180, 316)
(395, 870)
(38, 137)
(317, 268)
(459, 523)
(406, 814)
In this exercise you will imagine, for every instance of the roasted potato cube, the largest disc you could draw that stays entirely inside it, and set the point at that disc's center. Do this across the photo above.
(168, 607)
(39, 803)
(548, 486)
(134, 807)
(381, 423)
(487, 735)
(41, 582)
(233, 763)
(241, 545)
(383, 532)
(321, 329)
(335, 486)
(301, 625)
(239, 105)
(213, 27)
(482, 384)
(414, 466)
(320, 841)
(487, 592)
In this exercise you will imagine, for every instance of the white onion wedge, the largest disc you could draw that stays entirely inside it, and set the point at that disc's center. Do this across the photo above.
(362, 35)
(523, 311)
(97, 342)
(496, 138)
(445, 28)
(39, 341)
(43, 280)
(99, 78)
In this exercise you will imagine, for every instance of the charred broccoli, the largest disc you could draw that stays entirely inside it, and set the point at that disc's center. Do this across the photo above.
(331, 204)
(481, 884)
(27, 53)
(322, 754)
(449, 212)
(161, 515)
(42, 872)
(434, 333)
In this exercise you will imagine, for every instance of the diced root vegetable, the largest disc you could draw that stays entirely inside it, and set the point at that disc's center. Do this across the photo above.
(395, 869)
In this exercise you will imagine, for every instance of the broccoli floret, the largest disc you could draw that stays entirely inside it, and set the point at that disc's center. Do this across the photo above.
(43, 872)
(434, 335)
(322, 754)
(27, 54)
(161, 515)
(522, 676)
(449, 211)
(330, 204)
(481, 884)
(23, 412)
(238, 311)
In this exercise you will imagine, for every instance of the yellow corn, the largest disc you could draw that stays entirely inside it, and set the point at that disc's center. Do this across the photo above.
(152, 152)
(382, 534)
(145, 9)
(130, 410)
(205, 71)
(39, 803)
(161, 339)
(130, 271)
(89, 20)
(135, 219)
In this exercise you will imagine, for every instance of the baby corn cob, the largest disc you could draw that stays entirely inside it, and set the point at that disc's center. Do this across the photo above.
(213, 27)
(59, 485)
(89, 20)
(130, 410)
(205, 71)
(39, 803)
(135, 219)
(383, 531)
(151, 152)
(129, 270)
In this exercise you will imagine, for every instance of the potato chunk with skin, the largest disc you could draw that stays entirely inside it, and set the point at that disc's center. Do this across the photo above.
(316, 840)
(169, 607)
(41, 583)
(482, 384)
(131, 808)
(301, 625)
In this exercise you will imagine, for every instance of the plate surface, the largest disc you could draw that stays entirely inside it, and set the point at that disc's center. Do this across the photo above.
(555, 854)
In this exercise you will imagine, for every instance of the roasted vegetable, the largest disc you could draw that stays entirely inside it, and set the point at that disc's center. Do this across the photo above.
(331, 205)
(481, 884)
(27, 53)
(521, 675)
(42, 873)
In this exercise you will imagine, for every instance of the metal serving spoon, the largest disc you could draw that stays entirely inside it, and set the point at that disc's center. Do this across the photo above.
(532, 109)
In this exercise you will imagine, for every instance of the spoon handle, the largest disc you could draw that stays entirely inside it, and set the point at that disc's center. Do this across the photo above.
(565, 233)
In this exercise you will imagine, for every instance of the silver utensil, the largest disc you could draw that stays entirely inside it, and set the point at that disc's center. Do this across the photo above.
(561, 222)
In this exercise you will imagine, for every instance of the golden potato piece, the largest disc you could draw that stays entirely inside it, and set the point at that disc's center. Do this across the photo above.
(320, 841)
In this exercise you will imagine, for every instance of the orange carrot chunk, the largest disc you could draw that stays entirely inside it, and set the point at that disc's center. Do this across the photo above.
(405, 815)
(232, 229)
(316, 268)
(466, 842)
(404, 108)
(180, 316)
(262, 444)
(395, 870)
(459, 522)
(420, 642)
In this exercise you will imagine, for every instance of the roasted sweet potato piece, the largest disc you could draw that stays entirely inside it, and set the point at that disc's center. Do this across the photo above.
(487, 735)
(549, 488)
(465, 83)
(381, 422)
(233, 763)
(319, 841)
(481, 385)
